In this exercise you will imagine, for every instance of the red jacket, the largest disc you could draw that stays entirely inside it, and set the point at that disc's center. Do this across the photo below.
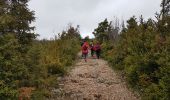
(85, 48)
(97, 47)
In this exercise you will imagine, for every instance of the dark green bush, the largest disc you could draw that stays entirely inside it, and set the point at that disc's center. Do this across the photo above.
(143, 55)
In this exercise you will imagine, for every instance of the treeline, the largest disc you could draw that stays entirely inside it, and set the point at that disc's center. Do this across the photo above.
(141, 51)
(27, 64)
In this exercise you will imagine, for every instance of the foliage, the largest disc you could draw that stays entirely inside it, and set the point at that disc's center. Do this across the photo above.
(25, 63)
(107, 31)
(38, 68)
(101, 33)
(58, 54)
(142, 53)
(15, 44)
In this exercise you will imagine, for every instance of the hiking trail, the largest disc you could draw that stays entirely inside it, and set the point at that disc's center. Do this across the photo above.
(93, 80)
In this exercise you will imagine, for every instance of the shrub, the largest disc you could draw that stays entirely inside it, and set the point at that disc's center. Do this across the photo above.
(143, 55)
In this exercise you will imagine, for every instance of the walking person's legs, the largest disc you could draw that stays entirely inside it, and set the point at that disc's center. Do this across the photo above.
(85, 57)
(98, 54)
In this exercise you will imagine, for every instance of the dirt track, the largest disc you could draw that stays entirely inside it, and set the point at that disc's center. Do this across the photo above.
(94, 80)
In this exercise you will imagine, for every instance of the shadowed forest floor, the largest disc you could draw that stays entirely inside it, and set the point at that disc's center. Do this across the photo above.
(93, 80)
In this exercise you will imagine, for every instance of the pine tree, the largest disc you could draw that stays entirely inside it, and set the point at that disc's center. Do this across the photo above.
(101, 32)
(16, 19)
(15, 43)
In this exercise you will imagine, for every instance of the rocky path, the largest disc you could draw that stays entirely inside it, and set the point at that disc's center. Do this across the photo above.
(94, 80)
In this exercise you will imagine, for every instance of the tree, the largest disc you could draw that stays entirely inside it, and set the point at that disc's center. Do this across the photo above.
(132, 23)
(107, 31)
(165, 8)
(113, 31)
(71, 33)
(163, 19)
(16, 19)
(15, 47)
(101, 32)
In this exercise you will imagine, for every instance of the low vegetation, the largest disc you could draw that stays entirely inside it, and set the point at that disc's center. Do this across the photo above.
(141, 51)
(28, 67)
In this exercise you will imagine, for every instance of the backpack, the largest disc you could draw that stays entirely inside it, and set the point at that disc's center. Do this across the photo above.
(85, 47)
(97, 47)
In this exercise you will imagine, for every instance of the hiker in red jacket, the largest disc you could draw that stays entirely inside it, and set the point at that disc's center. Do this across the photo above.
(85, 50)
(97, 48)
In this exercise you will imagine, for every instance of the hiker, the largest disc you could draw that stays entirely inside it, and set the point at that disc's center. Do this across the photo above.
(92, 48)
(85, 50)
(98, 50)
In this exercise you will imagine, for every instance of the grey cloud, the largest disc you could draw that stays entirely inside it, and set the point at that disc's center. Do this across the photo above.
(54, 15)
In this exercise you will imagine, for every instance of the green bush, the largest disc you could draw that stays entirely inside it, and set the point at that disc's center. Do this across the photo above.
(38, 67)
(143, 55)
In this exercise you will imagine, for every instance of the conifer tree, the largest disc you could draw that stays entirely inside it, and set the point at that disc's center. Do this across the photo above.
(15, 43)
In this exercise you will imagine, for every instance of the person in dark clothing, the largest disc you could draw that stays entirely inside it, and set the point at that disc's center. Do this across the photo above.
(92, 48)
(98, 50)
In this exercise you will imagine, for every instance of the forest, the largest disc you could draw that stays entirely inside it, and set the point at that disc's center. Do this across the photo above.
(139, 49)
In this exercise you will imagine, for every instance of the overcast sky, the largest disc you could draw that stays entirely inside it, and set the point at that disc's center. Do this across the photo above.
(53, 16)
